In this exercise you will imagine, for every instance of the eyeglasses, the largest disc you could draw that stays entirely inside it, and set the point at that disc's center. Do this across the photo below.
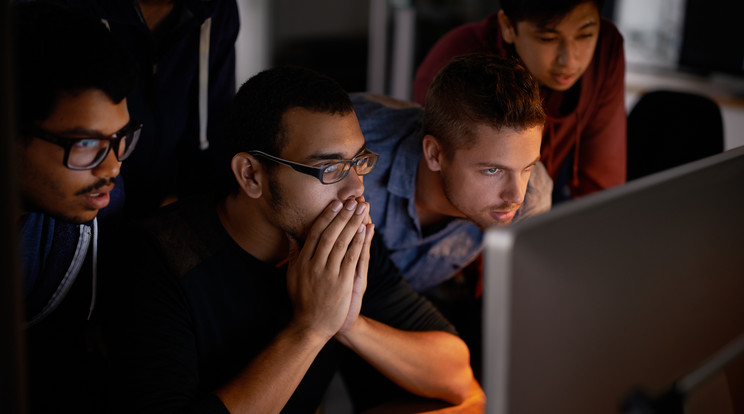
(330, 172)
(88, 153)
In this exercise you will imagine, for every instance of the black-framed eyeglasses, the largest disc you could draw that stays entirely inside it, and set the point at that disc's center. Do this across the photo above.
(330, 172)
(89, 152)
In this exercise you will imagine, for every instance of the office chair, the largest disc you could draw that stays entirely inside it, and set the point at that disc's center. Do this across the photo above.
(670, 128)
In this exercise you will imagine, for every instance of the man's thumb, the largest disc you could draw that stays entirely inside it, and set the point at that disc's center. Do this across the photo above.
(294, 248)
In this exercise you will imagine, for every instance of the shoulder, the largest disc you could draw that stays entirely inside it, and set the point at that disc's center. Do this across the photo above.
(367, 105)
(607, 73)
(472, 36)
(610, 43)
(224, 13)
(481, 36)
(181, 235)
(538, 197)
(385, 120)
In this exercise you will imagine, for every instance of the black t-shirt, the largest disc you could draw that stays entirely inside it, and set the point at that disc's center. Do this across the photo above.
(202, 308)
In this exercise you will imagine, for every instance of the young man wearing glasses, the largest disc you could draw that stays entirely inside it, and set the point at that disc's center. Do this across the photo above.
(74, 131)
(251, 301)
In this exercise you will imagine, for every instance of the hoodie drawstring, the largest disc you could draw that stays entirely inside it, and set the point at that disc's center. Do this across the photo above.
(577, 145)
(204, 82)
(94, 263)
(548, 150)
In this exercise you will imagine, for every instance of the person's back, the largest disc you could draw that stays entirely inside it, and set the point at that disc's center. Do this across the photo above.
(579, 61)
(73, 132)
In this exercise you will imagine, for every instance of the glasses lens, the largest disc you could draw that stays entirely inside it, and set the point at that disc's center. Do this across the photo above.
(365, 164)
(127, 143)
(87, 152)
(335, 172)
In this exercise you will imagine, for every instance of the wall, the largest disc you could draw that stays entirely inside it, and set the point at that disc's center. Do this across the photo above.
(652, 30)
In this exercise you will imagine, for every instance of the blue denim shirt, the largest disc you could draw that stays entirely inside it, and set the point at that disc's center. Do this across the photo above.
(424, 260)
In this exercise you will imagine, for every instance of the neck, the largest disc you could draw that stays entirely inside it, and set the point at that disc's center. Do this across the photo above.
(246, 224)
(155, 11)
(432, 206)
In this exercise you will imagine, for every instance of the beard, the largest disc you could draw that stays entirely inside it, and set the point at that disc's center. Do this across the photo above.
(287, 216)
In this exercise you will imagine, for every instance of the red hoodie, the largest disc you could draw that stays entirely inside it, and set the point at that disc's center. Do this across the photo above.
(593, 127)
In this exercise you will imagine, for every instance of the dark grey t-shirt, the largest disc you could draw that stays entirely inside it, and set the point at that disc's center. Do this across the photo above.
(205, 308)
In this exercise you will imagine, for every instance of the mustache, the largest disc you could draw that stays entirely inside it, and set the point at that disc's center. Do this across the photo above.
(507, 207)
(98, 184)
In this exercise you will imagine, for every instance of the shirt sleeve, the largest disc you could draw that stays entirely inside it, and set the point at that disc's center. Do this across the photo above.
(538, 197)
(390, 300)
(603, 150)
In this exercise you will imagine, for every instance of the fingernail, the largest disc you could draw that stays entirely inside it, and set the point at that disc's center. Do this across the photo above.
(362, 228)
(336, 206)
(351, 204)
(360, 208)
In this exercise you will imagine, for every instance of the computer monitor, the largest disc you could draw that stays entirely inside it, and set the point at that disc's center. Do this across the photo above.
(631, 288)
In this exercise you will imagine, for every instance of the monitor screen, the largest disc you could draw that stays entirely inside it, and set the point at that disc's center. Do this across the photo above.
(628, 289)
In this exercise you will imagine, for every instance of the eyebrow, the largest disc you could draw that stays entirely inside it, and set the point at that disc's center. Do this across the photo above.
(551, 29)
(81, 132)
(588, 24)
(321, 156)
(501, 167)
(533, 162)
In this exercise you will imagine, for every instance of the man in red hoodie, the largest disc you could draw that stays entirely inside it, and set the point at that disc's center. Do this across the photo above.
(577, 57)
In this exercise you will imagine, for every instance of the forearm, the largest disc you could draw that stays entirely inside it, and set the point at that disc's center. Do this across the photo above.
(267, 383)
(431, 364)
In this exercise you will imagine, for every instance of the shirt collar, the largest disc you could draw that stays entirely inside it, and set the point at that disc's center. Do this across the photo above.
(405, 164)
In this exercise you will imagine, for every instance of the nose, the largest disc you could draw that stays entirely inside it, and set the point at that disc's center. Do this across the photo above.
(109, 167)
(566, 53)
(352, 186)
(513, 191)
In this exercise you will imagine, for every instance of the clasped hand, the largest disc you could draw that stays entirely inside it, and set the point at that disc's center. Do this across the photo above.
(327, 277)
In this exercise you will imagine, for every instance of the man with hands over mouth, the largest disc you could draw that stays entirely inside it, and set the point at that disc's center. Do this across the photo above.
(251, 301)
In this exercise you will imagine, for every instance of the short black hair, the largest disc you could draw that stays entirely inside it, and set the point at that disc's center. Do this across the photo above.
(541, 12)
(61, 50)
(255, 116)
(480, 89)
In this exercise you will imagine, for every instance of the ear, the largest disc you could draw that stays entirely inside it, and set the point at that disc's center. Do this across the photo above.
(507, 30)
(249, 173)
(432, 152)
